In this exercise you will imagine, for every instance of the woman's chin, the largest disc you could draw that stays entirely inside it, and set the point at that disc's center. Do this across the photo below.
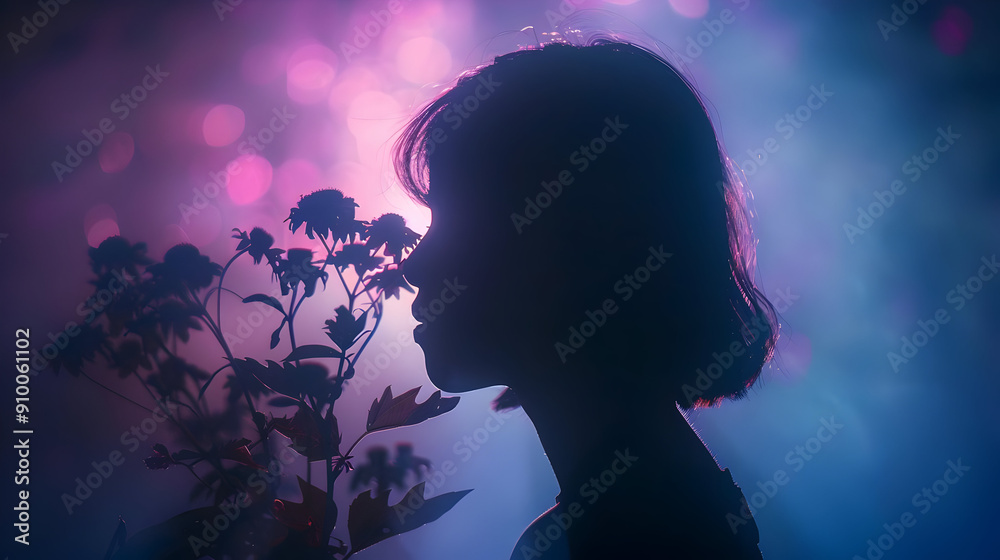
(450, 382)
(452, 379)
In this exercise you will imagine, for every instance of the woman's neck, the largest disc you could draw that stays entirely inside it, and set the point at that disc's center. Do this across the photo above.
(586, 431)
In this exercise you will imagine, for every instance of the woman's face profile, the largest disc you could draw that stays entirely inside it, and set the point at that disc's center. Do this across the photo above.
(496, 297)
(463, 302)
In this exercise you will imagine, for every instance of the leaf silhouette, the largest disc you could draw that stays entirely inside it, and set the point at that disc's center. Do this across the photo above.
(265, 299)
(371, 520)
(276, 335)
(345, 329)
(169, 540)
(506, 400)
(118, 539)
(306, 516)
(284, 401)
(305, 434)
(308, 351)
(185, 455)
(288, 379)
(160, 459)
(392, 412)
(238, 451)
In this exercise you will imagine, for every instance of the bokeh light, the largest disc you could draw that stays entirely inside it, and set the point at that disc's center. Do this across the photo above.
(423, 60)
(251, 179)
(263, 64)
(311, 70)
(172, 235)
(952, 30)
(100, 223)
(116, 152)
(293, 178)
(373, 117)
(223, 125)
(204, 228)
(690, 8)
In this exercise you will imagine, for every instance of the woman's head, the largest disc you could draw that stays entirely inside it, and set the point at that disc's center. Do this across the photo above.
(586, 228)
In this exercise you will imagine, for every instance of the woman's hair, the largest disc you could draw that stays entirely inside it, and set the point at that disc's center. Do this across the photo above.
(663, 179)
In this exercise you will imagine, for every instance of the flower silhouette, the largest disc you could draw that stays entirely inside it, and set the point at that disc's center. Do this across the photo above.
(183, 268)
(298, 267)
(258, 244)
(386, 473)
(389, 281)
(325, 213)
(83, 347)
(173, 374)
(130, 357)
(390, 230)
(116, 253)
(358, 255)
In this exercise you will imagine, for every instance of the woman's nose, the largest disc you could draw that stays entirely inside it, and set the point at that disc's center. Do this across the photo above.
(413, 265)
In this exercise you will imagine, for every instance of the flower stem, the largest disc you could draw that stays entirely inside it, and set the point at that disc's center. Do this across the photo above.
(218, 297)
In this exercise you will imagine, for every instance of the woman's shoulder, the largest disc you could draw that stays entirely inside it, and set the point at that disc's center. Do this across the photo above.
(708, 518)
(546, 538)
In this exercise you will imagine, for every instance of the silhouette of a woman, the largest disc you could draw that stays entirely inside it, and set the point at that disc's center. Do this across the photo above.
(593, 245)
